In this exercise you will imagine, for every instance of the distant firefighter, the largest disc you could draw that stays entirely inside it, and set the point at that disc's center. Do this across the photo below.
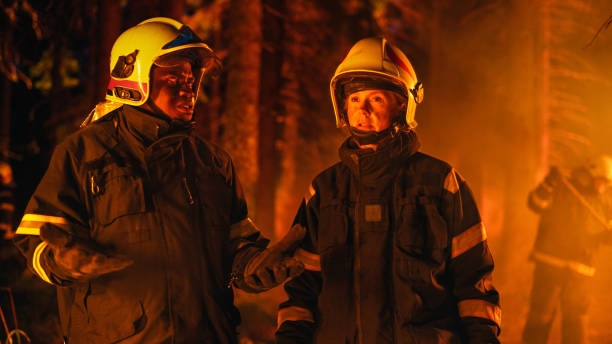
(574, 220)
(140, 223)
(396, 250)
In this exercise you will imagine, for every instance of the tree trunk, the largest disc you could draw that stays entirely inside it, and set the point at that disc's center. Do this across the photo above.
(109, 27)
(272, 54)
(242, 94)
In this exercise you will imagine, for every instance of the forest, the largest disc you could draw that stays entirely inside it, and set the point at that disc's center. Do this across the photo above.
(511, 87)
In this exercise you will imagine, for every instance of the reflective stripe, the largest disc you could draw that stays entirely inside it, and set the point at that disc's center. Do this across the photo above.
(7, 206)
(311, 261)
(575, 266)
(44, 218)
(242, 229)
(31, 223)
(450, 182)
(480, 309)
(293, 313)
(468, 239)
(36, 262)
(311, 192)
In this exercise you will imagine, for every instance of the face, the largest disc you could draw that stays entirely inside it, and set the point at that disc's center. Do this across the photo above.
(173, 90)
(372, 110)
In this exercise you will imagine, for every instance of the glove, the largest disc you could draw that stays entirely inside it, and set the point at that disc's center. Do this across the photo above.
(553, 177)
(274, 265)
(80, 259)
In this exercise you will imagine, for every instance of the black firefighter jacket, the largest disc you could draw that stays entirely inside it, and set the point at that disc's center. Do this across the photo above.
(157, 193)
(573, 223)
(396, 253)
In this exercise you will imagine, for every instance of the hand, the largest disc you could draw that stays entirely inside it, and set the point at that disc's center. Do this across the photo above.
(274, 265)
(553, 177)
(80, 259)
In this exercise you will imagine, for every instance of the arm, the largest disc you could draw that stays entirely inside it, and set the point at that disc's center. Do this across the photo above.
(471, 264)
(256, 267)
(58, 201)
(540, 198)
(297, 317)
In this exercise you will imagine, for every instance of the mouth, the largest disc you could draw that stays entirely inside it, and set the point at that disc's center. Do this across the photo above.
(365, 126)
(185, 108)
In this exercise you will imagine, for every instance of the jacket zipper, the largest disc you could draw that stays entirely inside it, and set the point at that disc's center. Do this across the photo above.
(357, 263)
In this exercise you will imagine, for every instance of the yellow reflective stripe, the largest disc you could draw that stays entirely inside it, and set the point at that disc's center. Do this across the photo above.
(480, 309)
(293, 313)
(7, 206)
(468, 239)
(36, 262)
(44, 218)
(31, 223)
(575, 266)
(311, 192)
(311, 261)
(243, 228)
(28, 230)
(450, 182)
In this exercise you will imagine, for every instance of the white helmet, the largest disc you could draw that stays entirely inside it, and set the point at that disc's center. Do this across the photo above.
(376, 59)
(137, 49)
(601, 166)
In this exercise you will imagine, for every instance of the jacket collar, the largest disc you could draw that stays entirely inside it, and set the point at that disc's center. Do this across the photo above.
(148, 128)
(370, 165)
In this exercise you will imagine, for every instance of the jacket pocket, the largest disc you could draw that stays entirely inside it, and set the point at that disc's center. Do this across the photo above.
(111, 315)
(422, 232)
(115, 192)
(333, 225)
(421, 249)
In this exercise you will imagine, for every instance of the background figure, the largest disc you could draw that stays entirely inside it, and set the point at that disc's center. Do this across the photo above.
(396, 250)
(140, 223)
(575, 214)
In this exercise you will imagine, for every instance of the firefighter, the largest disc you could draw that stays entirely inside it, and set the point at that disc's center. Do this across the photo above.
(574, 220)
(140, 223)
(395, 251)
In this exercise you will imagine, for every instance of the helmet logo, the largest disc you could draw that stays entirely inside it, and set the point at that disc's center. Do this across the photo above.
(125, 65)
(397, 60)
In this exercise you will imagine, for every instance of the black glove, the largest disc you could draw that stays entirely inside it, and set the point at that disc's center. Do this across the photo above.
(274, 265)
(553, 177)
(78, 258)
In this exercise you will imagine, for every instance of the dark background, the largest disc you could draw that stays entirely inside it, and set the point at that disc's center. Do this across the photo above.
(511, 87)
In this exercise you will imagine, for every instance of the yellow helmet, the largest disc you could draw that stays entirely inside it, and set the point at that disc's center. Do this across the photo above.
(137, 49)
(375, 58)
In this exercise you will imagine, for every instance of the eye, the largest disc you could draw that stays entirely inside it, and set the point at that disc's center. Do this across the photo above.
(172, 80)
(354, 99)
(378, 99)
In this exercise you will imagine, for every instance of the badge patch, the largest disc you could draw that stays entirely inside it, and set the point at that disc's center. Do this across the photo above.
(373, 212)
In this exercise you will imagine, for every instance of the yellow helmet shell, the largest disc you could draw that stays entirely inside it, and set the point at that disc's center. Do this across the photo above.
(374, 57)
(135, 52)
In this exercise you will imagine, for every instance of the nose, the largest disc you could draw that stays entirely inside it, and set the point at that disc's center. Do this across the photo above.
(186, 89)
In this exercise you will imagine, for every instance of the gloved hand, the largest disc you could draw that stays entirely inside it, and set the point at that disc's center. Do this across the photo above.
(274, 265)
(553, 177)
(80, 259)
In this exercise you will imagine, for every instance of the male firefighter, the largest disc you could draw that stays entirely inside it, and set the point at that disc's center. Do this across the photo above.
(140, 223)
(574, 220)
(395, 251)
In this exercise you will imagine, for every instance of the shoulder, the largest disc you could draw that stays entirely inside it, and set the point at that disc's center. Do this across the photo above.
(88, 143)
(332, 175)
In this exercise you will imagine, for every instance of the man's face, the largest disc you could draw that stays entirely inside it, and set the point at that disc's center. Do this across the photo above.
(372, 110)
(173, 90)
